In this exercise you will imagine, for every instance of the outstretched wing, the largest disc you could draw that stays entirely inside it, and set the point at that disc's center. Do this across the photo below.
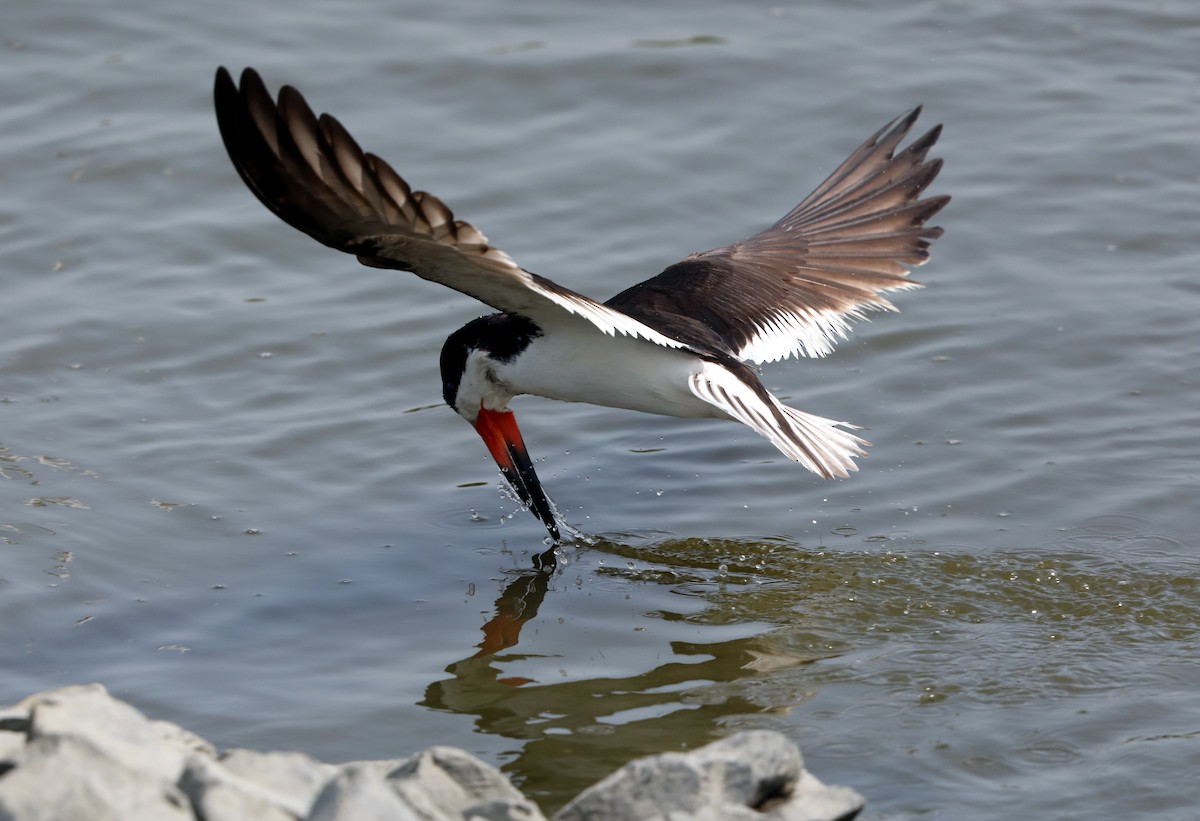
(312, 174)
(792, 289)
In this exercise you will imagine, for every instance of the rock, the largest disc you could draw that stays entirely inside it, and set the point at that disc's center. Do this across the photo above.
(84, 755)
(219, 795)
(361, 793)
(11, 745)
(14, 719)
(78, 754)
(114, 727)
(751, 775)
(68, 778)
(813, 800)
(448, 783)
(295, 779)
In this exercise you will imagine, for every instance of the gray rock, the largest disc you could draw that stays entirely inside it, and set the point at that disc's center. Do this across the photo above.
(114, 727)
(813, 800)
(77, 754)
(361, 793)
(68, 778)
(752, 775)
(218, 795)
(11, 745)
(444, 783)
(294, 779)
(14, 719)
(174, 737)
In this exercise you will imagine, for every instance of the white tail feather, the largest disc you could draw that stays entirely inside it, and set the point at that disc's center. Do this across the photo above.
(814, 441)
(836, 447)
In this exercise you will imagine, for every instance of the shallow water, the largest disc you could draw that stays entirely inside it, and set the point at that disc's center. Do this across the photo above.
(229, 490)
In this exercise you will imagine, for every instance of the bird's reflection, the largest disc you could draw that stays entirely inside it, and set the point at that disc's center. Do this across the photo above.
(517, 604)
(574, 732)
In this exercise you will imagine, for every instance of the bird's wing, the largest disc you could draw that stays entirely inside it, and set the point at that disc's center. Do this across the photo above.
(311, 173)
(792, 289)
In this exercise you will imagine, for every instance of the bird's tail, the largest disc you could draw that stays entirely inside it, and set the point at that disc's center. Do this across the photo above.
(821, 445)
(827, 449)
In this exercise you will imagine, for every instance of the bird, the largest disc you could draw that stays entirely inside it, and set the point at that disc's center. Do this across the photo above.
(684, 343)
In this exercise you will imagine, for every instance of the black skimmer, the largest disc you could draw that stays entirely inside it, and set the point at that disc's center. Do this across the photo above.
(676, 344)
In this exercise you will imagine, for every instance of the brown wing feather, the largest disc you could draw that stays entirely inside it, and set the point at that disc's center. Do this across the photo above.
(312, 174)
(791, 288)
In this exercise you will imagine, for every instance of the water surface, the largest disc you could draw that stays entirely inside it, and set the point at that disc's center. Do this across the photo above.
(229, 490)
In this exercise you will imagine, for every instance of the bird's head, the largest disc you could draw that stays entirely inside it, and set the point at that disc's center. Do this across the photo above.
(469, 363)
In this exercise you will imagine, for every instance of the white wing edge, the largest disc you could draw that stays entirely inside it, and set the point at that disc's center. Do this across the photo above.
(608, 320)
(805, 332)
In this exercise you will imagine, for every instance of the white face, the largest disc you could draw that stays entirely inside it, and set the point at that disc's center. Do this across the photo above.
(480, 387)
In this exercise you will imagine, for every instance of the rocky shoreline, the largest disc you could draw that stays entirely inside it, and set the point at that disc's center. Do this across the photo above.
(78, 754)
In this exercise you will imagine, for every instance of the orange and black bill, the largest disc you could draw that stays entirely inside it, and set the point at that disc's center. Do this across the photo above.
(503, 438)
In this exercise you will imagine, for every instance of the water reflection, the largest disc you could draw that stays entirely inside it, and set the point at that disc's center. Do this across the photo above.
(749, 631)
(517, 604)
(576, 731)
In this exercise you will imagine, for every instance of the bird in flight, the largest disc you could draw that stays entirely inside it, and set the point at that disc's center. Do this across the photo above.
(677, 344)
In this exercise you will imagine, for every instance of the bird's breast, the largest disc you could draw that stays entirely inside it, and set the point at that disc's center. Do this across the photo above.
(616, 372)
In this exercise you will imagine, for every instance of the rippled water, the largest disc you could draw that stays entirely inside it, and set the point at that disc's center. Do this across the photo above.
(229, 490)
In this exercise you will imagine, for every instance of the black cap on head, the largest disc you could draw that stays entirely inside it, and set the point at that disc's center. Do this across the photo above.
(500, 336)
